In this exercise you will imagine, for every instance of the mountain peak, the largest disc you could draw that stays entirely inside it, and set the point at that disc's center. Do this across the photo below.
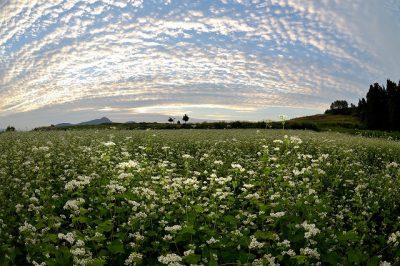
(99, 121)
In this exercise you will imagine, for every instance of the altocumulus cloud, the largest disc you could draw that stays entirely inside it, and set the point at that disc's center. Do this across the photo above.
(164, 56)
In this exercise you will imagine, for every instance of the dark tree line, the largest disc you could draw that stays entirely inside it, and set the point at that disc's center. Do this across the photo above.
(380, 109)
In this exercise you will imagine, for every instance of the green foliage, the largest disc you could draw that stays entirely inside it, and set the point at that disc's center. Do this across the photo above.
(233, 197)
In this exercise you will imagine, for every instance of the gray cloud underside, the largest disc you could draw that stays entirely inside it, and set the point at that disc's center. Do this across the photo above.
(255, 53)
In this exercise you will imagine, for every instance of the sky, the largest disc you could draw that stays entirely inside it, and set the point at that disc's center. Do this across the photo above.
(144, 60)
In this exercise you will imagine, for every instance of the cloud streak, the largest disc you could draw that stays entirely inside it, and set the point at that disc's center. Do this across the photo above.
(250, 54)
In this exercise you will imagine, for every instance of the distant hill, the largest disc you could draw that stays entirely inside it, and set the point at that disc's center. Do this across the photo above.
(100, 121)
(327, 121)
(64, 125)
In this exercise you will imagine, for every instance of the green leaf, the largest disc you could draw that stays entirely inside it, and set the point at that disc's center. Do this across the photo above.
(192, 259)
(97, 262)
(332, 258)
(373, 262)
(80, 219)
(52, 237)
(355, 255)
(198, 209)
(265, 235)
(300, 259)
(229, 219)
(116, 247)
(105, 226)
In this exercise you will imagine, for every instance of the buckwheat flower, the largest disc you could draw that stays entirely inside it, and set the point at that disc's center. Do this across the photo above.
(271, 260)
(74, 205)
(108, 143)
(78, 251)
(187, 156)
(115, 188)
(80, 243)
(34, 263)
(254, 244)
(188, 252)
(310, 252)
(212, 240)
(44, 148)
(290, 252)
(394, 239)
(79, 183)
(295, 140)
(167, 237)
(170, 259)
(278, 141)
(248, 186)
(133, 258)
(218, 162)
(173, 229)
(238, 167)
(392, 165)
(18, 207)
(27, 227)
(34, 200)
(311, 229)
(124, 176)
(137, 236)
(385, 263)
(277, 214)
(129, 164)
(69, 237)
(311, 191)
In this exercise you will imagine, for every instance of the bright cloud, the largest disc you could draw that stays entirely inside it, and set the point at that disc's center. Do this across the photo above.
(169, 56)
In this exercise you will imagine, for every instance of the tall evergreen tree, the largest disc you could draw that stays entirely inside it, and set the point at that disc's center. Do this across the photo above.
(377, 111)
(393, 104)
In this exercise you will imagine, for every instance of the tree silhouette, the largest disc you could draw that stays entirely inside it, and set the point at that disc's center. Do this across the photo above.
(377, 112)
(339, 104)
(185, 118)
(171, 120)
(393, 95)
(381, 108)
(10, 128)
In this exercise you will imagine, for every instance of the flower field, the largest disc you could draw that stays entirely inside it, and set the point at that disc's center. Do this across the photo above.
(198, 197)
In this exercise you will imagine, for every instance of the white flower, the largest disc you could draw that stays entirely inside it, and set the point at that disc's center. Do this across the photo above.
(134, 256)
(295, 140)
(254, 244)
(212, 240)
(170, 259)
(74, 205)
(27, 227)
(173, 229)
(129, 164)
(311, 229)
(277, 214)
(310, 252)
(79, 183)
(238, 167)
(69, 237)
(218, 162)
(109, 143)
(115, 188)
(393, 239)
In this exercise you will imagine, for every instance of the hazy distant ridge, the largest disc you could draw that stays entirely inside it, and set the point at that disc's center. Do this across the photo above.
(103, 120)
